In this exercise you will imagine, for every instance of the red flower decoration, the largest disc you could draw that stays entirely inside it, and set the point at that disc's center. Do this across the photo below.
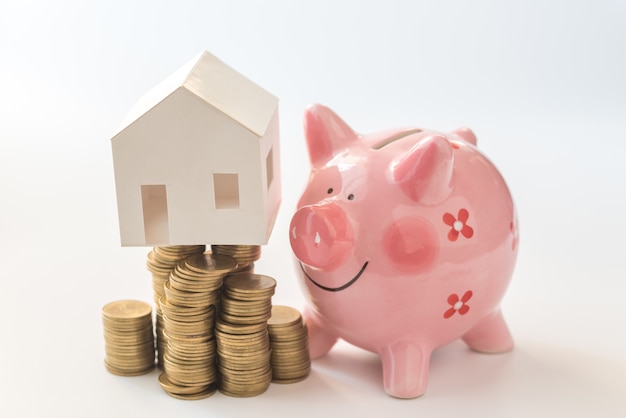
(458, 305)
(458, 224)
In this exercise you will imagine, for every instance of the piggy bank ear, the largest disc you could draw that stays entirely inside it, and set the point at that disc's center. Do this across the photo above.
(326, 134)
(466, 134)
(424, 173)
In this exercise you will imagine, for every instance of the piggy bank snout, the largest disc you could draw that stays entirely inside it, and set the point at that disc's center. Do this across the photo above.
(321, 236)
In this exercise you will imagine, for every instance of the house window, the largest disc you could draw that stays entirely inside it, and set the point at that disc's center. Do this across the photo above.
(226, 188)
(269, 167)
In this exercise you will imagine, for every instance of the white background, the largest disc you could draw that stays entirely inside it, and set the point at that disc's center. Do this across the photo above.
(542, 83)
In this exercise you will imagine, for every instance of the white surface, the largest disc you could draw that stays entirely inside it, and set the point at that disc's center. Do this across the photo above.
(541, 83)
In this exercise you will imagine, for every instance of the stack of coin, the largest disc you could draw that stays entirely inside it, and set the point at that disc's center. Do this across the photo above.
(241, 331)
(289, 342)
(245, 255)
(161, 262)
(244, 358)
(189, 362)
(196, 281)
(188, 317)
(129, 337)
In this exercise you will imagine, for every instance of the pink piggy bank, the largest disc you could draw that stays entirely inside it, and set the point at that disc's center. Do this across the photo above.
(406, 241)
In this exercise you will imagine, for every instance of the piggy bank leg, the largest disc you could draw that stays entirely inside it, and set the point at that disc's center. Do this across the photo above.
(405, 369)
(490, 335)
(320, 340)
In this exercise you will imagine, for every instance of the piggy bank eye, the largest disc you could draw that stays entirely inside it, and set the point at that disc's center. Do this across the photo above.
(330, 190)
(350, 196)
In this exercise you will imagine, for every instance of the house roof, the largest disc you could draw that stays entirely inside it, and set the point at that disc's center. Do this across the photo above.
(218, 85)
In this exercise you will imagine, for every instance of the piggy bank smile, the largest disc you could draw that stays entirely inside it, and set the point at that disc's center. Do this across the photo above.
(338, 288)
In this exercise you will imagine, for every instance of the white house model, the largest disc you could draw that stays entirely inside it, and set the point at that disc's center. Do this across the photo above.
(197, 160)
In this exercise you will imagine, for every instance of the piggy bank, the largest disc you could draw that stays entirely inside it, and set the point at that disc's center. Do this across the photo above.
(405, 240)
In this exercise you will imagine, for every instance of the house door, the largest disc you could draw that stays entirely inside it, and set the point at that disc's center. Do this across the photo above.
(155, 219)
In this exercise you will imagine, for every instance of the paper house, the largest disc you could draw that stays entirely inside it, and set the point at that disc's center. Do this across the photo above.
(197, 160)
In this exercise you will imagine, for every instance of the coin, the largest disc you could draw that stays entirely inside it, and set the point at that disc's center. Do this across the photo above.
(249, 284)
(209, 391)
(126, 310)
(185, 392)
(245, 320)
(127, 372)
(207, 263)
(168, 386)
(239, 329)
(283, 316)
(242, 390)
(244, 254)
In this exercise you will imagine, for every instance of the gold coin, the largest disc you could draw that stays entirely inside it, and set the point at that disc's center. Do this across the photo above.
(288, 340)
(128, 367)
(191, 357)
(129, 350)
(290, 363)
(245, 253)
(243, 350)
(249, 283)
(173, 254)
(234, 329)
(210, 390)
(127, 372)
(191, 348)
(180, 390)
(288, 366)
(203, 263)
(257, 336)
(294, 354)
(242, 391)
(247, 380)
(128, 333)
(245, 320)
(174, 310)
(231, 365)
(283, 316)
(172, 339)
(191, 375)
(124, 310)
(266, 368)
(240, 353)
(196, 284)
(188, 321)
(200, 359)
(206, 319)
(290, 380)
(192, 380)
(261, 305)
(238, 362)
(243, 267)
(188, 371)
(247, 297)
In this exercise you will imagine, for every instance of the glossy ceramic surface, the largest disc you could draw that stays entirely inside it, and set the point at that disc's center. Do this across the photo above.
(405, 240)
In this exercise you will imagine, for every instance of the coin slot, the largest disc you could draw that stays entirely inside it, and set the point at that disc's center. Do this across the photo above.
(226, 188)
(395, 138)
(155, 218)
